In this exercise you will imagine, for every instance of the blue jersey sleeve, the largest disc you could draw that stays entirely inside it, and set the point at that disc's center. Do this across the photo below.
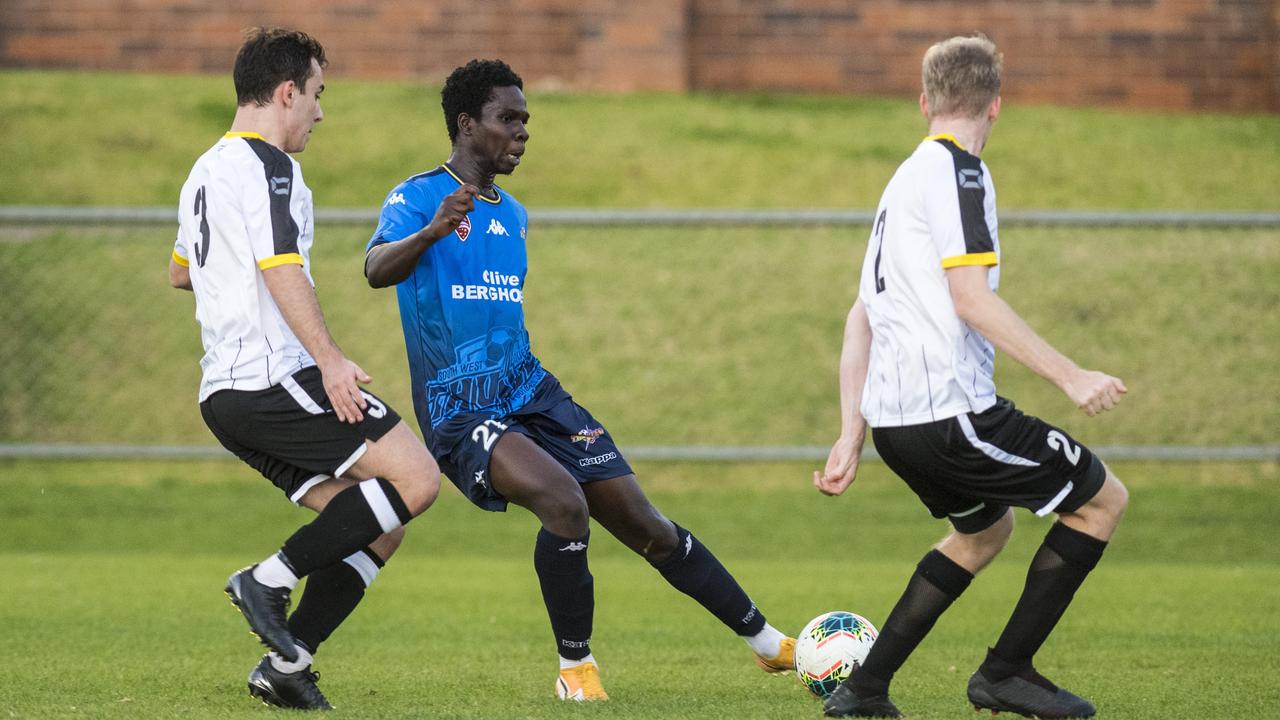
(407, 209)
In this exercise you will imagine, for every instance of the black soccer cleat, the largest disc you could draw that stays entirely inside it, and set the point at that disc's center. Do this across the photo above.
(1029, 694)
(266, 609)
(844, 703)
(296, 691)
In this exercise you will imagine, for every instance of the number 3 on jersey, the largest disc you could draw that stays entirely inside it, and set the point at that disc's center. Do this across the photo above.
(202, 211)
(487, 432)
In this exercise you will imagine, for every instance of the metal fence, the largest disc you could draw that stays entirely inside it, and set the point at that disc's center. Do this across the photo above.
(680, 327)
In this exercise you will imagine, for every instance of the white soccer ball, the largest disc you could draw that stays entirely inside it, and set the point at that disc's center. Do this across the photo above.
(830, 648)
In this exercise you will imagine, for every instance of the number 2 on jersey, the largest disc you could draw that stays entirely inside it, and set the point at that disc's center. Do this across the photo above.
(484, 435)
(878, 234)
(202, 211)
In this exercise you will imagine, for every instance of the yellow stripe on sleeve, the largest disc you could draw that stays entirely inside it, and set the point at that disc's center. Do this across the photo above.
(180, 260)
(986, 258)
(278, 260)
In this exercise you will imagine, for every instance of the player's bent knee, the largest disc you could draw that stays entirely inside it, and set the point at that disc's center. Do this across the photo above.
(563, 513)
(420, 493)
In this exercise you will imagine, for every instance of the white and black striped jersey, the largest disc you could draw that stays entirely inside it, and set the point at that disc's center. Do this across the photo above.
(926, 364)
(244, 208)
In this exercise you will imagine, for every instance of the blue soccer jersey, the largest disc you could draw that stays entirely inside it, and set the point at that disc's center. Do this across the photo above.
(462, 307)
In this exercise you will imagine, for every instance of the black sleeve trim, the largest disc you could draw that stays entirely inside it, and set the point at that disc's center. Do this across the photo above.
(972, 191)
(279, 172)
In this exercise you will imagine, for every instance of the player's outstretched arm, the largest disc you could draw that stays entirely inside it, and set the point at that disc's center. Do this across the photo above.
(390, 263)
(298, 304)
(842, 462)
(986, 312)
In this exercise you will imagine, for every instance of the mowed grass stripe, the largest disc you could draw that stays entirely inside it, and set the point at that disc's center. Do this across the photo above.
(113, 602)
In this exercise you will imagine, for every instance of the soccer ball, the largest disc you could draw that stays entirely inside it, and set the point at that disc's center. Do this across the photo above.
(830, 648)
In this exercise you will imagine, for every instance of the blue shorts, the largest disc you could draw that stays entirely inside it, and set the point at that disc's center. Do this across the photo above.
(463, 444)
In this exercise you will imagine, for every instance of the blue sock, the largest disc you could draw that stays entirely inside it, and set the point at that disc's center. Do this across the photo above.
(694, 571)
(568, 591)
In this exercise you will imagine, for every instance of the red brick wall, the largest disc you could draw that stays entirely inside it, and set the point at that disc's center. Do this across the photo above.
(1179, 54)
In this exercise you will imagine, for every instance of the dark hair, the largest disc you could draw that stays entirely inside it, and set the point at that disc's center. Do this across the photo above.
(468, 88)
(270, 56)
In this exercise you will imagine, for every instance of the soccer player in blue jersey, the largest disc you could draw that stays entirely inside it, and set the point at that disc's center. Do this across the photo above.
(500, 425)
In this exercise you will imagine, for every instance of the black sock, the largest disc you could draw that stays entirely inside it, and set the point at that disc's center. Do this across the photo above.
(937, 582)
(568, 591)
(354, 518)
(331, 593)
(1059, 567)
(694, 571)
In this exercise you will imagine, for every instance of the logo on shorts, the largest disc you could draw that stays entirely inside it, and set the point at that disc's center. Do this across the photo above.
(574, 546)
(464, 228)
(480, 477)
(598, 459)
(587, 436)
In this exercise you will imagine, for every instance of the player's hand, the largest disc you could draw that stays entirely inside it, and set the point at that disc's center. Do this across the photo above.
(342, 379)
(1094, 392)
(455, 206)
(842, 467)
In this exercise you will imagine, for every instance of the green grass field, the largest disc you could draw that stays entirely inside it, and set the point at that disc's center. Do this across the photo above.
(125, 139)
(113, 605)
(684, 336)
(110, 603)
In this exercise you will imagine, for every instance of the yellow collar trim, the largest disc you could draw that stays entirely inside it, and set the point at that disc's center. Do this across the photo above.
(946, 136)
(454, 175)
(245, 135)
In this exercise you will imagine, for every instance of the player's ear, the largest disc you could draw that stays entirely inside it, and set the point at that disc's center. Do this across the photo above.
(993, 110)
(924, 105)
(464, 124)
(285, 93)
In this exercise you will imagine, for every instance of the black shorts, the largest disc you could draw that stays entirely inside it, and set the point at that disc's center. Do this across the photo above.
(971, 468)
(289, 432)
(463, 444)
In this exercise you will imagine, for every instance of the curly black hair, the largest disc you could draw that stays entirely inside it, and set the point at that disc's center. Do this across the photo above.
(468, 88)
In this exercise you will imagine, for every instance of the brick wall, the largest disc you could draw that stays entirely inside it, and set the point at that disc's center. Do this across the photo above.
(1178, 54)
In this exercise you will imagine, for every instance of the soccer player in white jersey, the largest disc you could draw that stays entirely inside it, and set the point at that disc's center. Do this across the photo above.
(917, 367)
(276, 389)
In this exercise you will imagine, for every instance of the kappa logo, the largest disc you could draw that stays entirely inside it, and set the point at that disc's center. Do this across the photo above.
(970, 178)
(574, 546)
(396, 199)
(495, 228)
(464, 228)
(280, 185)
(688, 545)
(587, 436)
(598, 459)
(522, 232)
(480, 477)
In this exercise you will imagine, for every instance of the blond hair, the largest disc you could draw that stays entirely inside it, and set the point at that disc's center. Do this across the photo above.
(962, 75)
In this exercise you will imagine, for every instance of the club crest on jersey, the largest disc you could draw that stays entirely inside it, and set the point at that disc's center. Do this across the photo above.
(464, 228)
(587, 436)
